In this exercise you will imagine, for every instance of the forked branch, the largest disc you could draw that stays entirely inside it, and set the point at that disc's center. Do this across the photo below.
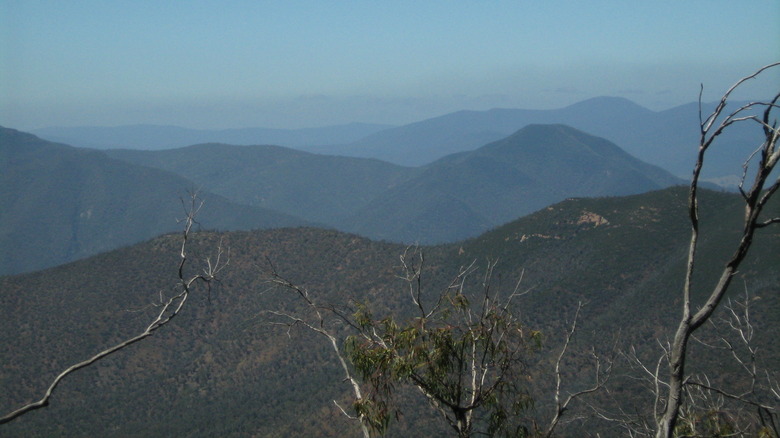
(170, 308)
(755, 198)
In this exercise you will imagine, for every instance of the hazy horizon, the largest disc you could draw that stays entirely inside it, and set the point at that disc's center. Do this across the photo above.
(302, 64)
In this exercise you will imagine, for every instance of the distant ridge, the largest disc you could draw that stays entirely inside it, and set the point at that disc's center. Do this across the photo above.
(157, 137)
(65, 203)
(457, 196)
(532, 168)
(321, 188)
(667, 139)
(62, 203)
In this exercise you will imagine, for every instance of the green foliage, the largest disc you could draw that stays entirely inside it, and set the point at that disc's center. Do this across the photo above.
(468, 360)
(712, 423)
(375, 412)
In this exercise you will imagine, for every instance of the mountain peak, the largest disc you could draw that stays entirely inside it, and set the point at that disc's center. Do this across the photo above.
(607, 104)
(543, 138)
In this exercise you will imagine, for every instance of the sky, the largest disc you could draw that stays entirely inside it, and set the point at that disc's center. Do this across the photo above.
(297, 64)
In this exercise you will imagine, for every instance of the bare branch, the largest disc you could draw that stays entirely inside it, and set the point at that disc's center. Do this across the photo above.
(170, 308)
(755, 199)
(737, 397)
(318, 326)
(600, 376)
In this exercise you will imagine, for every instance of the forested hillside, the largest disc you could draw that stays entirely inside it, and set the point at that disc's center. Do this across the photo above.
(222, 369)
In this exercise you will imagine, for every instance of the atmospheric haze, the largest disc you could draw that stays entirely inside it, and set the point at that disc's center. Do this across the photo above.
(295, 64)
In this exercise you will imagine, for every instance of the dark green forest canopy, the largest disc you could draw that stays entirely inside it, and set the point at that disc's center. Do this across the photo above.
(221, 370)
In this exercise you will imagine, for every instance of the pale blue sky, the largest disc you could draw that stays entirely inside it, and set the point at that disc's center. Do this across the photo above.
(296, 64)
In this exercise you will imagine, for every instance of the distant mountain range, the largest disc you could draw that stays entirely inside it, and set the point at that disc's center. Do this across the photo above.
(323, 188)
(221, 370)
(667, 139)
(156, 137)
(455, 197)
(464, 194)
(62, 203)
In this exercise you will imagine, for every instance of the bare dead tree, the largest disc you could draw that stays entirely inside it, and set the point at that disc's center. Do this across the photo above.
(749, 406)
(602, 373)
(170, 306)
(755, 199)
(318, 324)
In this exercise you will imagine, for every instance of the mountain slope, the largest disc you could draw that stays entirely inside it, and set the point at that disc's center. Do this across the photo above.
(320, 188)
(458, 196)
(220, 369)
(62, 203)
(535, 167)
